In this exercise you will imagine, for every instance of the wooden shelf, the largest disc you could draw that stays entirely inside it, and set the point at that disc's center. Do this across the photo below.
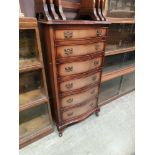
(27, 100)
(117, 73)
(35, 136)
(119, 51)
(31, 67)
(121, 20)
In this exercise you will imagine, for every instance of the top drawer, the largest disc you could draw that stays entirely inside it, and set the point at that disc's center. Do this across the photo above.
(80, 34)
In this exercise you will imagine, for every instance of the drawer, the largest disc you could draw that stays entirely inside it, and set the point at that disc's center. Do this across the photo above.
(79, 34)
(77, 111)
(79, 83)
(77, 50)
(79, 98)
(79, 66)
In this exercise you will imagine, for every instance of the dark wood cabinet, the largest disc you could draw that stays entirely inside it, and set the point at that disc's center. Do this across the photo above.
(74, 52)
(35, 119)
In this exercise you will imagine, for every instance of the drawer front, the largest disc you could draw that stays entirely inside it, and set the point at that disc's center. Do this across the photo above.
(79, 34)
(78, 98)
(75, 112)
(79, 83)
(79, 67)
(77, 50)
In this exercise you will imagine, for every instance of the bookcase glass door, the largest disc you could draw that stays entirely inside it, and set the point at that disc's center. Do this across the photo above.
(28, 51)
(118, 61)
(128, 83)
(109, 89)
(30, 87)
(33, 120)
(120, 36)
(121, 8)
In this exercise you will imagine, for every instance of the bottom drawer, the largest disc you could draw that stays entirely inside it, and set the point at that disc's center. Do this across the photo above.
(77, 111)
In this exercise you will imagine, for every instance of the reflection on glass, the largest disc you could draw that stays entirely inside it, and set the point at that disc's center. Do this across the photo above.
(30, 87)
(109, 89)
(33, 120)
(120, 36)
(121, 8)
(118, 61)
(128, 83)
(28, 52)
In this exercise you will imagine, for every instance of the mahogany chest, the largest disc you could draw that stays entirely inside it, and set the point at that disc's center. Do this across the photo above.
(74, 54)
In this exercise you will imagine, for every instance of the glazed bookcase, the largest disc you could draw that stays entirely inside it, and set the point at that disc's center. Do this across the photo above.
(35, 119)
(118, 75)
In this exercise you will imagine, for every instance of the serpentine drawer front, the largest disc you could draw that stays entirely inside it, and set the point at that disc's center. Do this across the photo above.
(75, 112)
(79, 34)
(78, 98)
(79, 67)
(77, 50)
(75, 56)
(79, 83)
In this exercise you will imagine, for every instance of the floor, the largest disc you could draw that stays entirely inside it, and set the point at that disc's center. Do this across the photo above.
(112, 133)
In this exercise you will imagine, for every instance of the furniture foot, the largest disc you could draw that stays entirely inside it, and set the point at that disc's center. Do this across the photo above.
(97, 113)
(60, 133)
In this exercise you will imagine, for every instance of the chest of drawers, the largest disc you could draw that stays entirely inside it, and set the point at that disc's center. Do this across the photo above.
(74, 54)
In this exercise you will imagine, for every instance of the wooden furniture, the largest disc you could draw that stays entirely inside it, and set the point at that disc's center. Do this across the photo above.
(119, 11)
(118, 64)
(88, 10)
(35, 116)
(74, 52)
(45, 10)
(98, 8)
(116, 86)
(118, 72)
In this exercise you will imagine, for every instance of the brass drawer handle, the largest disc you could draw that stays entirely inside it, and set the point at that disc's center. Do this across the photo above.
(70, 114)
(97, 47)
(94, 77)
(70, 100)
(68, 51)
(69, 85)
(69, 69)
(68, 34)
(96, 62)
(99, 33)
(92, 104)
(92, 92)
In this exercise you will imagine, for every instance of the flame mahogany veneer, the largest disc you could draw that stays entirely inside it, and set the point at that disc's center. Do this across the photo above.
(74, 53)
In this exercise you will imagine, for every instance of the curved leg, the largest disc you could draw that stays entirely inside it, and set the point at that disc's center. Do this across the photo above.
(52, 11)
(60, 12)
(89, 12)
(97, 113)
(60, 133)
(46, 13)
